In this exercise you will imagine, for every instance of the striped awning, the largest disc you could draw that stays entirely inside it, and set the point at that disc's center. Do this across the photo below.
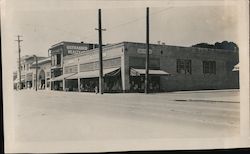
(138, 72)
(95, 73)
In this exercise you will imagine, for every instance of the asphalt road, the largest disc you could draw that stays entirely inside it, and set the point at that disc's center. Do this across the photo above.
(71, 116)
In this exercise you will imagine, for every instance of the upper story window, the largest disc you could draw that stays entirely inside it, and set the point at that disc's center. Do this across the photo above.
(58, 59)
(184, 66)
(209, 67)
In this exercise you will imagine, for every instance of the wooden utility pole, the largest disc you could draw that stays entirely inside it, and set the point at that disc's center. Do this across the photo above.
(19, 59)
(100, 51)
(147, 51)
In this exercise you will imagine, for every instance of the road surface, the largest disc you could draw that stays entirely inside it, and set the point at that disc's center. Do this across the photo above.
(72, 116)
(61, 115)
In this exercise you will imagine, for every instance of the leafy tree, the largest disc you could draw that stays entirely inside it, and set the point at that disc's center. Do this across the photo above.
(223, 45)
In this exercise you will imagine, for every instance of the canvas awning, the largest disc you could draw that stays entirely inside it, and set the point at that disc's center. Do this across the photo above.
(95, 73)
(138, 72)
(62, 77)
(236, 67)
(29, 77)
(17, 80)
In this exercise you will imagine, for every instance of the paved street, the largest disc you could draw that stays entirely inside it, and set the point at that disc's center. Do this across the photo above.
(61, 116)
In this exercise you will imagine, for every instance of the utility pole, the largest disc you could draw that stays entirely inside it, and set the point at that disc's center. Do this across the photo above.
(100, 51)
(147, 51)
(19, 59)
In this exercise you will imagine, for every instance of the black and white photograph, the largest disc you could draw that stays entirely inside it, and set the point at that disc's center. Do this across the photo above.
(105, 76)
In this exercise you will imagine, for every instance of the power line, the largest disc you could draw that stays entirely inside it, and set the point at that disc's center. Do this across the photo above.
(132, 21)
(139, 18)
(86, 36)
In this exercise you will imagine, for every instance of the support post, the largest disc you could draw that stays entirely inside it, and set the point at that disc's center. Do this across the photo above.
(147, 51)
(36, 71)
(100, 51)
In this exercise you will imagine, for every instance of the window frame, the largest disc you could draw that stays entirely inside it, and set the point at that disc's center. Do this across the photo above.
(184, 66)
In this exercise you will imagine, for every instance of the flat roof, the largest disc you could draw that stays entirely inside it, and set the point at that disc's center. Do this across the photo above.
(68, 42)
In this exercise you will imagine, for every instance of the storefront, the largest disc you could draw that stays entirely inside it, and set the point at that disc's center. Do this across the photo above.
(171, 68)
(137, 80)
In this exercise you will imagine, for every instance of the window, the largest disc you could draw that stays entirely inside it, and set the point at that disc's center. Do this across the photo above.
(58, 59)
(209, 67)
(184, 66)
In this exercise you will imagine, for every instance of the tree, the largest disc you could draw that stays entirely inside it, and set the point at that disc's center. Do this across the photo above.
(223, 45)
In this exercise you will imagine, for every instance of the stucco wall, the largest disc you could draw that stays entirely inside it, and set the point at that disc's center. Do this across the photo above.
(223, 79)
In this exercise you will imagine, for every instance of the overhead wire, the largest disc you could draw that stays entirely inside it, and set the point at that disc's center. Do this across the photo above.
(112, 28)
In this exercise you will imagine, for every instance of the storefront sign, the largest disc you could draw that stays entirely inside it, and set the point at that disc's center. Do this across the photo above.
(76, 49)
(143, 51)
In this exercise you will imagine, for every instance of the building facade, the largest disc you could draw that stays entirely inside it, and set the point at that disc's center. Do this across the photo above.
(28, 72)
(61, 50)
(171, 68)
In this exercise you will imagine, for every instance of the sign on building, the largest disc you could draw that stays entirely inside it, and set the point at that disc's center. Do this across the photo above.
(74, 49)
(143, 51)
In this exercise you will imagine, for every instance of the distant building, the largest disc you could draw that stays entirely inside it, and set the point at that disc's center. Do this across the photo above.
(43, 73)
(28, 71)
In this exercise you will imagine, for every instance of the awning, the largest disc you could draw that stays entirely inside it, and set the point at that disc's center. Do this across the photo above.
(62, 77)
(95, 73)
(236, 67)
(138, 72)
(17, 80)
(29, 77)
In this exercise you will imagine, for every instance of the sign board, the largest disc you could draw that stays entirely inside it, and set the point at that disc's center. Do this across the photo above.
(143, 51)
(76, 49)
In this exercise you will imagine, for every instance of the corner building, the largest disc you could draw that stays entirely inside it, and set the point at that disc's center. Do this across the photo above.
(171, 68)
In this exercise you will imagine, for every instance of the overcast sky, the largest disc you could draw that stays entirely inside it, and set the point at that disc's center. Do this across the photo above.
(181, 23)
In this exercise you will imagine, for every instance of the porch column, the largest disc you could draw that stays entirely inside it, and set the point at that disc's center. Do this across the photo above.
(125, 73)
(78, 71)
(45, 86)
(79, 83)
(63, 84)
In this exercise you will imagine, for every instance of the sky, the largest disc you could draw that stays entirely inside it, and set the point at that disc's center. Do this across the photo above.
(182, 23)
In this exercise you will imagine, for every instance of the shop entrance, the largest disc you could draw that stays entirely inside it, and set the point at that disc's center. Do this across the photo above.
(88, 84)
(57, 85)
(42, 79)
(71, 85)
(137, 83)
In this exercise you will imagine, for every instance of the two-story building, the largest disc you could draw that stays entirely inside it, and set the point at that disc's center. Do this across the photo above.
(28, 72)
(58, 52)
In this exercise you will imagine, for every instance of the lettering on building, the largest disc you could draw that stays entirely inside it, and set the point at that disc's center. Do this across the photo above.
(76, 49)
(143, 51)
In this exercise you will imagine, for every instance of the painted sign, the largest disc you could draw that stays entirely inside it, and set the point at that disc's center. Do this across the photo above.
(74, 49)
(143, 51)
